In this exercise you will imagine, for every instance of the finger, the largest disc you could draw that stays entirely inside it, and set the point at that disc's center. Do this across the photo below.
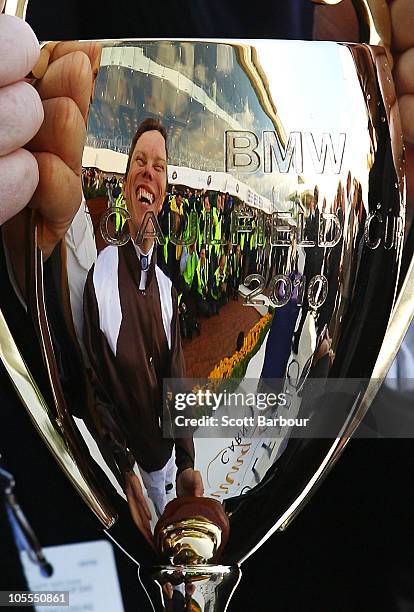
(69, 76)
(91, 49)
(404, 73)
(145, 521)
(2, 3)
(381, 15)
(57, 197)
(136, 490)
(139, 519)
(335, 22)
(39, 69)
(406, 104)
(147, 511)
(21, 57)
(168, 590)
(402, 22)
(21, 115)
(144, 506)
(19, 176)
(62, 133)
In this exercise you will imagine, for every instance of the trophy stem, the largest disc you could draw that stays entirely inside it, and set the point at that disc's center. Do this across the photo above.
(205, 588)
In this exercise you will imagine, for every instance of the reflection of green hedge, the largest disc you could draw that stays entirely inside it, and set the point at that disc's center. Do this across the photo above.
(240, 368)
(238, 372)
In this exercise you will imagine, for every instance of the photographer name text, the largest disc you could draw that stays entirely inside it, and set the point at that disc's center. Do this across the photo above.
(225, 420)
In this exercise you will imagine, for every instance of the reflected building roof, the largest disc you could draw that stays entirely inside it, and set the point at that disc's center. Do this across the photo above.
(199, 90)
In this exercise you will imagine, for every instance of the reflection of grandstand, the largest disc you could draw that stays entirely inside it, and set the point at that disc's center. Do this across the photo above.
(199, 91)
(106, 143)
(112, 161)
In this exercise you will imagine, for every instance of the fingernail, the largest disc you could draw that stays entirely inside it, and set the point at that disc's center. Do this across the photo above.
(38, 71)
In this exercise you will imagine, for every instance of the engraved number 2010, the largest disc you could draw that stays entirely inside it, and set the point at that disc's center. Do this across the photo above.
(281, 289)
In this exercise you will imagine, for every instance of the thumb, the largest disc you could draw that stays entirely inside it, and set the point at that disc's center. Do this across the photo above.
(380, 12)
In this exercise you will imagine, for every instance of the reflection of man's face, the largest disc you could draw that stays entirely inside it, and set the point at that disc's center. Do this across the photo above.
(145, 184)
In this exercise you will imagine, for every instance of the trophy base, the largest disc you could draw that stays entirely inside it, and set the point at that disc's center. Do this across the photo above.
(201, 588)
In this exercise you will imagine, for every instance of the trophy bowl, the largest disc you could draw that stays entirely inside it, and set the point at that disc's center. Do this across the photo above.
(209, 329)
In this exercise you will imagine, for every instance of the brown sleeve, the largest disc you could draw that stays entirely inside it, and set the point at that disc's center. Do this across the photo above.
(104, 413)
(184, 447)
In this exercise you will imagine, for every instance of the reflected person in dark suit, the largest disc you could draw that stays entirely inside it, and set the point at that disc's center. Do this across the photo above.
(313, 260)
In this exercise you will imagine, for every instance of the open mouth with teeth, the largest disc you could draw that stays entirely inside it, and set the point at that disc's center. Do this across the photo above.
(144, 196)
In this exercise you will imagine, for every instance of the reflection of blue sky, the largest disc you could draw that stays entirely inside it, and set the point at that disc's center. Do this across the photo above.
(200, 90)
(324, 95)
(305, 80)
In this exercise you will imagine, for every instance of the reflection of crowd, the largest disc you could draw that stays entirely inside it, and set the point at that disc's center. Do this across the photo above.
(211, 260)
(92, 179)
(338, 264)
(96, 183)
(207, 270)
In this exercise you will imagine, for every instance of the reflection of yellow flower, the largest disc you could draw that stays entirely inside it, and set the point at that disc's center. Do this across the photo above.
(226, 366)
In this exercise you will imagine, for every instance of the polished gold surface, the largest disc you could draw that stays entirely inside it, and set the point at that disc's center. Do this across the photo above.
(192, 541)
(400, 321)
(337, 158)
(321, 140)
(194, 588)
(47, 427)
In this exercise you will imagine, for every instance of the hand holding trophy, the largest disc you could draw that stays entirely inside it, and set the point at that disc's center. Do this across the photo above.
(64, 89)
(21, 117)
(393, 21)
(302, 194)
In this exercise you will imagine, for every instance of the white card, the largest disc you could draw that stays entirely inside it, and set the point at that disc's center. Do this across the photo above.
(87, 570)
